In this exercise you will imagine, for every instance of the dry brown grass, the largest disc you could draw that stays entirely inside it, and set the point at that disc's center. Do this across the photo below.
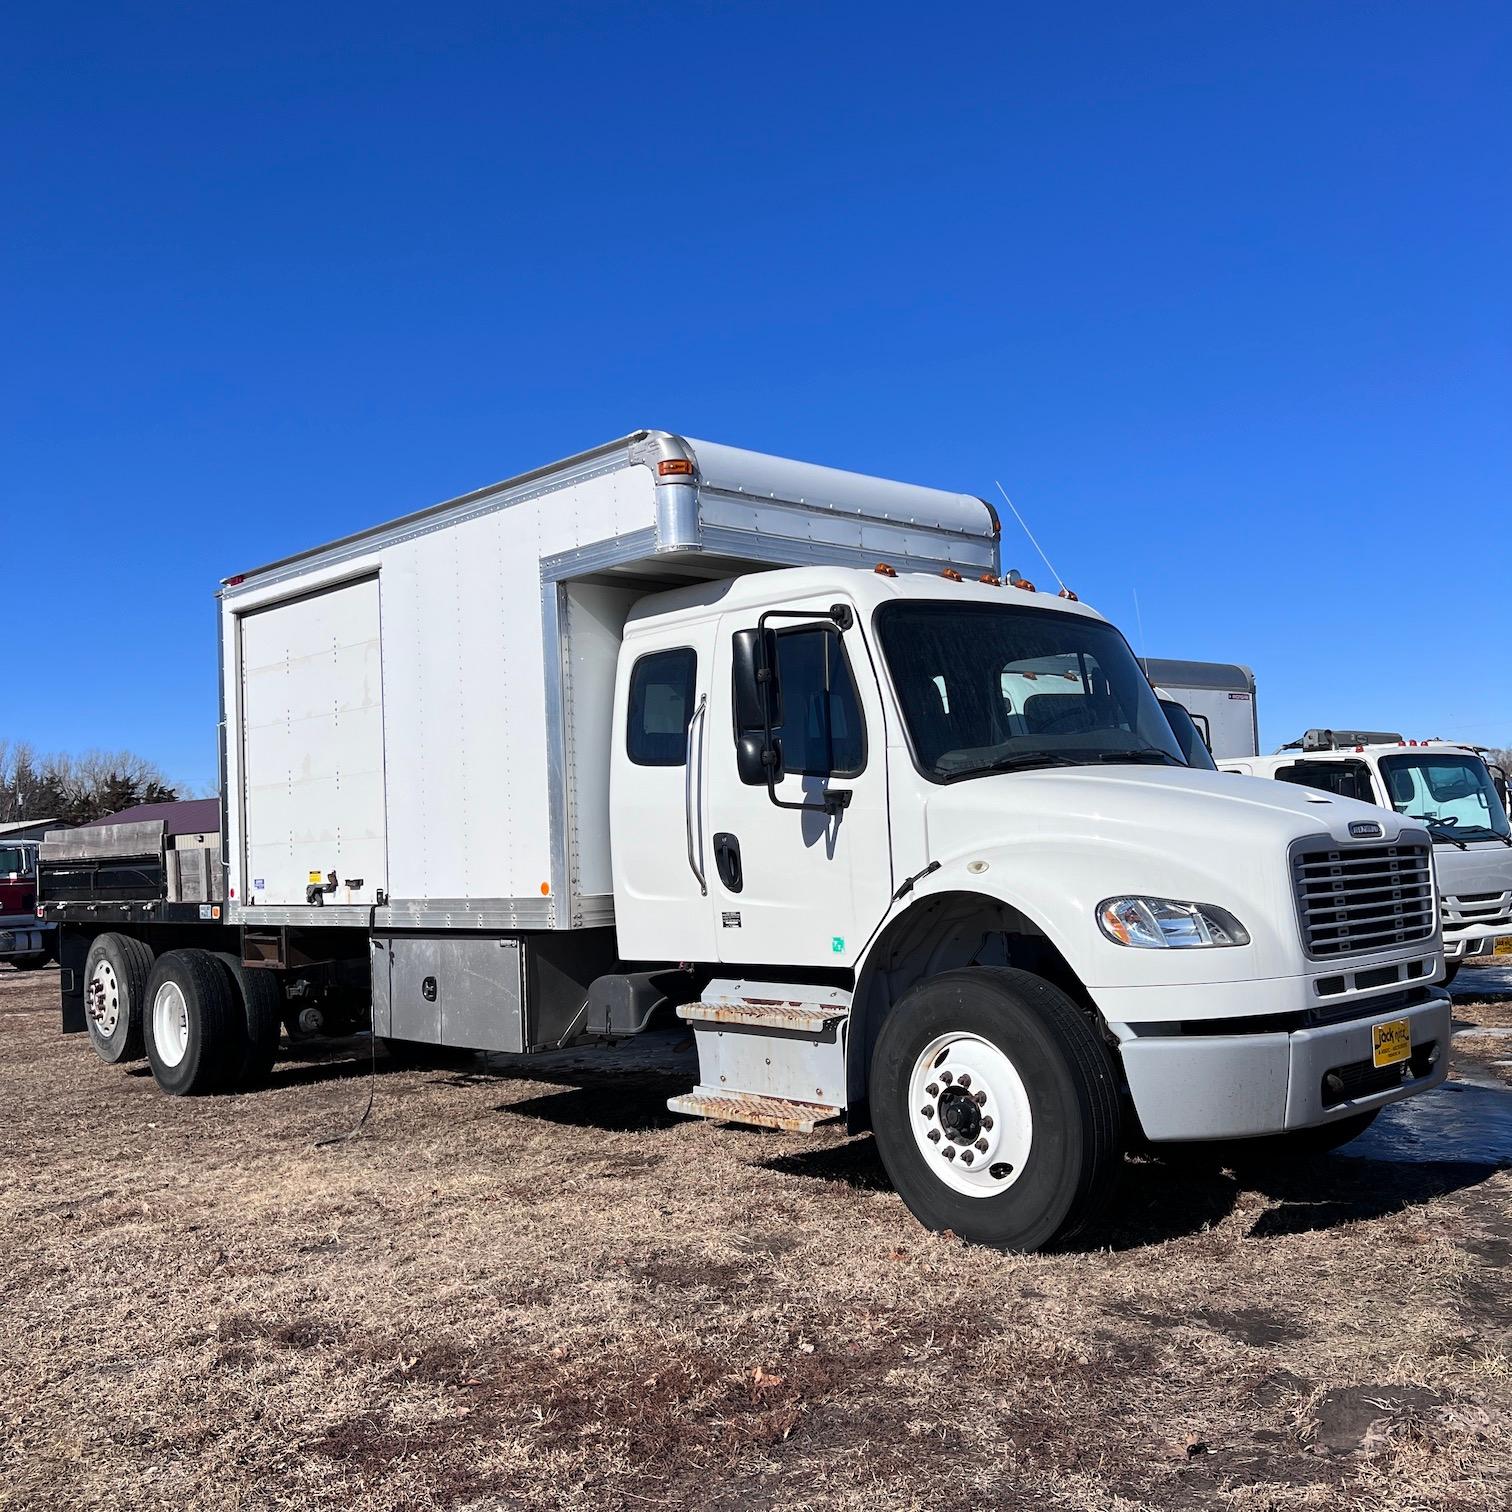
(531, 1286)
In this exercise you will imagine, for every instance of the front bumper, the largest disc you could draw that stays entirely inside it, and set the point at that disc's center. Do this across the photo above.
(23, 937)
(1242, 1086)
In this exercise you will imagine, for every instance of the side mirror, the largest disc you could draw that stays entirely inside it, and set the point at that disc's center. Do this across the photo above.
(756, 763)
(758, 699)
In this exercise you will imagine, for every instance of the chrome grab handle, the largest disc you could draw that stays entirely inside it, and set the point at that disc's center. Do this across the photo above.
(693, 861)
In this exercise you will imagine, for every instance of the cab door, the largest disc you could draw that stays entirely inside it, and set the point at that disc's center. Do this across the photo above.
(658, 779)
(800, 886)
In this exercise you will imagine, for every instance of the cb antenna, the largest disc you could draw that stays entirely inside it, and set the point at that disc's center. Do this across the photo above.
(1017, 516)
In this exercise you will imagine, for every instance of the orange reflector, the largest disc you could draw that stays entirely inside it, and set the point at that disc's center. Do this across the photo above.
(545, 889)
(1066, 593)
(992, 582)
(1026, 585)
(674, 467)
(883, 570)
(952, 574)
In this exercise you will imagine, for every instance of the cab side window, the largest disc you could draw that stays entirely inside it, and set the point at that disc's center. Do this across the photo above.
(1344, 779)
(661, 706)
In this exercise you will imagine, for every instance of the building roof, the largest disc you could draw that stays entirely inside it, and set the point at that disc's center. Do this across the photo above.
(188, 816)
(14, 826)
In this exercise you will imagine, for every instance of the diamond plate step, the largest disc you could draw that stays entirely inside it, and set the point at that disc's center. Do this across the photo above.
(803, 1018)
(748, 1108)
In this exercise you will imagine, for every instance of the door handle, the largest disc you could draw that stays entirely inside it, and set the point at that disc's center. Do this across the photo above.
(695, 862)
(727, 861)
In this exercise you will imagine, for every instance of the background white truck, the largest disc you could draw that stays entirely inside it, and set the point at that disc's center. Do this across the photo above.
(1440, 784)
(1219, 696)
(672, 728)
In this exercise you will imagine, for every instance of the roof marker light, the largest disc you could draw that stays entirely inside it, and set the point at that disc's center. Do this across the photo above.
(674, 467)
(990, 580)
(951, 574)
(1066, 593)
(883, 570)
(231, 582)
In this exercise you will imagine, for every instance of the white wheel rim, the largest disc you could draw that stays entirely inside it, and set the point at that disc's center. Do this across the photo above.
(970, 1116)
(170, 1023)
(103, 998)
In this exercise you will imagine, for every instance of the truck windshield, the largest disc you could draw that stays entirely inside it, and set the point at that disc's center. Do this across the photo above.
(1188, 736)
(1453, 794)
(989, 688)
(14, 859)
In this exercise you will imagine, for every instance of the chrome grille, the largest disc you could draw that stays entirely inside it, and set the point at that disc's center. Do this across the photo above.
(1368, 897)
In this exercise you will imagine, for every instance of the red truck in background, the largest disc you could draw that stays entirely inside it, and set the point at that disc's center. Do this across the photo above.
(25, 941)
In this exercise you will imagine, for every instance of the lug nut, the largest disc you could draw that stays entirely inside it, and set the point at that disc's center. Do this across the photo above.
(981, 1144)
(927, 1111)
(948, 1152)
(967, 1157)
(987, 1122)
(981, 1098)
(933, 1136)
(965, 1080)
(947, 1077)
(933, 1089)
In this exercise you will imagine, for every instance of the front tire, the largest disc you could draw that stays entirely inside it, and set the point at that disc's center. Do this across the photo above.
(115, 987)
(995, 1107)
(1451, 970)
(190, 1022)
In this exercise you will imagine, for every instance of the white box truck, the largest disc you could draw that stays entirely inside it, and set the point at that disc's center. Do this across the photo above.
(1441, 784)
(1219, 697)
(672, 728)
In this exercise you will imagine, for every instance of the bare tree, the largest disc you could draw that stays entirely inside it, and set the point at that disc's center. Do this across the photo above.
(75, 788)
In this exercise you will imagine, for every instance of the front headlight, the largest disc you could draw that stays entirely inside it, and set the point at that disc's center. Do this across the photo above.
(1168, 924)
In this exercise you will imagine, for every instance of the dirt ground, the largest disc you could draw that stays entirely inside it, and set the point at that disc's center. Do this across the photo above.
(529, 1285)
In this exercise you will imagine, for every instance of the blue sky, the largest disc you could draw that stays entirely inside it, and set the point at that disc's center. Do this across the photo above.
(1220, 292)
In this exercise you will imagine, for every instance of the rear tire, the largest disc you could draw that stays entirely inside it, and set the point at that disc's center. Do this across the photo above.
(260, 998)
(115, 988)
(191, 1023)
(1001, 1059)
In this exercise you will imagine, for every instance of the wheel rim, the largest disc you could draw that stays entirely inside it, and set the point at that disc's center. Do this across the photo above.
(103, 998)
(170, 1023)
(970, 1115)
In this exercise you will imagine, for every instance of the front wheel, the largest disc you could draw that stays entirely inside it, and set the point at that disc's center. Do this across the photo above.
(995, 1106)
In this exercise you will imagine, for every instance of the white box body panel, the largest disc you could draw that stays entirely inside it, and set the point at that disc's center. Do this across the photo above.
(312, 745)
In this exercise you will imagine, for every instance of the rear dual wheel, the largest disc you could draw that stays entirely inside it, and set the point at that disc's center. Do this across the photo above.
(209, 1023)
(995, 1107)
(115, 987)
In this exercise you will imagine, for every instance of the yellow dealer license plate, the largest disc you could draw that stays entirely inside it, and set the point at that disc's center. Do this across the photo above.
(1391, 1041)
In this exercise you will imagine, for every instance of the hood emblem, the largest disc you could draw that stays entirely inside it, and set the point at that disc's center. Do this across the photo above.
(1365, 829)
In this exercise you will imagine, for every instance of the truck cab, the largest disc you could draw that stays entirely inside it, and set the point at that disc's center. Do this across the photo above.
(25, 941)
(1445, 786)
(928, 798)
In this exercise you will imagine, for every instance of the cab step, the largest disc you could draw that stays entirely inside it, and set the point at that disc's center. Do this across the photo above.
(751, 1108)
(770, 1005)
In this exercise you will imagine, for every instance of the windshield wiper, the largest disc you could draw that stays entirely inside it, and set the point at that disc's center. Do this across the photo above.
(1145, 754)
(1437, 826)
(1014, 761)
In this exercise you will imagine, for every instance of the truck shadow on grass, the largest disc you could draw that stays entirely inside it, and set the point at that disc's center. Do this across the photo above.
(1466, 1137)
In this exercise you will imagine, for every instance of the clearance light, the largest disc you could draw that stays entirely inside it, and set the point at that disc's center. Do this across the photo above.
(883, 570)
(231, 582)
(992, 582)
(1066, 593)
(951, 574)
(674, 467)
